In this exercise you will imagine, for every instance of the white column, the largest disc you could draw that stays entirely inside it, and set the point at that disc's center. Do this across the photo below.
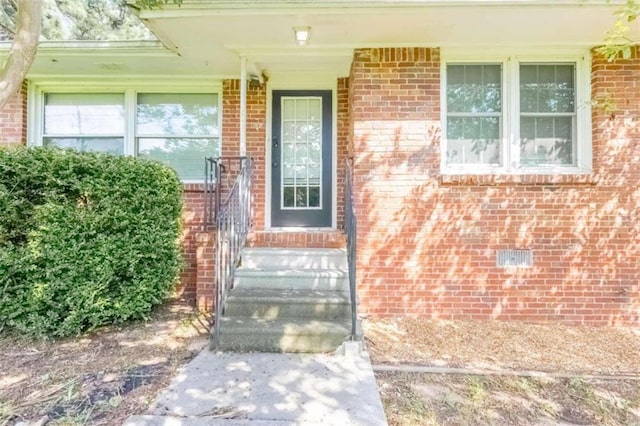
(243, 105)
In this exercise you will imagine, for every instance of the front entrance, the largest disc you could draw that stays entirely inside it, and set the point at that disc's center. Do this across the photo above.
(301, 163)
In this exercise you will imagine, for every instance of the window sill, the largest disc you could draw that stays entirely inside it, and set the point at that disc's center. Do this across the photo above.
(524, 179)
(193, 186)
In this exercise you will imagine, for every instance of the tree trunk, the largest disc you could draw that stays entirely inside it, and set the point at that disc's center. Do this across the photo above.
(23, 48)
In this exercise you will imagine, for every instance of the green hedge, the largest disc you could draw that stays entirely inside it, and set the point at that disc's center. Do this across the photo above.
(85, 239)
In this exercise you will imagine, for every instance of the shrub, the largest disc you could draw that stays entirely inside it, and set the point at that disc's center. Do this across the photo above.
(86, 239)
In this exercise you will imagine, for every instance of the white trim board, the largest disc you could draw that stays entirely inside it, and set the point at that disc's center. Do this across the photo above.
(510, 60)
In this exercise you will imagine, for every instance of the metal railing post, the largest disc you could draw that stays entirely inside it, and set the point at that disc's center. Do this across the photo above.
(232, 217)
(351, 231)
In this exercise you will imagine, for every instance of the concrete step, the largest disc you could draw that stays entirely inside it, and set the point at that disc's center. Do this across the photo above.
(301, 304)
(281, 335)
(276, 258)
(292, 279)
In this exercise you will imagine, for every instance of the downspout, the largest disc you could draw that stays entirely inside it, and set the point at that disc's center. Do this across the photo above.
(243, 106)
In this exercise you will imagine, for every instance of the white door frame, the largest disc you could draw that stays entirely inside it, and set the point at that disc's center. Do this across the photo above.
(302, 81)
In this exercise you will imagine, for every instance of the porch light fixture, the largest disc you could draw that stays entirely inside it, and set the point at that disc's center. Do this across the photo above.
(302, 35)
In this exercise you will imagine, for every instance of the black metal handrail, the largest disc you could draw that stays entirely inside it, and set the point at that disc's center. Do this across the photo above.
(232, 214)
(211, 171)
(351, 229)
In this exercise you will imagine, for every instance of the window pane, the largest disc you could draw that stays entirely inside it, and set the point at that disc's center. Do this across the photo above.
(301, 197)
(106, 145)
(175, 114)
(314, 196)
(473, 140)
(186, 156)
(546, 141)
(547, 88)
(76, 114)
(288, 174)
(474, 88)
(289, 197)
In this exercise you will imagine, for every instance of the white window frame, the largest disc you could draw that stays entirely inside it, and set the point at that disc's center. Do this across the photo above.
(130, 89)
(510, 141)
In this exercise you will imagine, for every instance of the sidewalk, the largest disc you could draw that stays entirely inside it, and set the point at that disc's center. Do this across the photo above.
(269, 389)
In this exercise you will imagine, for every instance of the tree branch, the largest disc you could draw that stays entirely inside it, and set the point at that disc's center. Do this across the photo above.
(23, 48)
(7, 28)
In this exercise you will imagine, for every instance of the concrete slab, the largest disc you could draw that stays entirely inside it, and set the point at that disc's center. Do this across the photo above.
(271, 390)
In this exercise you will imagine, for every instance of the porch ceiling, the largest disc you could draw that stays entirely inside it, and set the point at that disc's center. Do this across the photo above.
(212, 35)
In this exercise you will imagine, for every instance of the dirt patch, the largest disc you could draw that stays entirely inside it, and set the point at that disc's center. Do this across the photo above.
(100, 378)
(501, 345)
(426, 399)
(457, 399)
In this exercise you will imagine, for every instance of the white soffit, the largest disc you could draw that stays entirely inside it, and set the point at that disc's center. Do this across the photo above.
(112, 59)
(218, 32)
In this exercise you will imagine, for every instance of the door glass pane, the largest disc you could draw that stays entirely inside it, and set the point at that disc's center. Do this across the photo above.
(288, 153)
(301, 155)
(315, 110)
(288, 174)
(301, 196)
(288, 195)
(288, 130)
(314, 196)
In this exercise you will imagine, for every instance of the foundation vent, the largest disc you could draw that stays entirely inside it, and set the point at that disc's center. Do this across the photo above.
(518, 258)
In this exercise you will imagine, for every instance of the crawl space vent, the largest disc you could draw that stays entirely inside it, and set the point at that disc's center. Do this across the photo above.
(519, 258)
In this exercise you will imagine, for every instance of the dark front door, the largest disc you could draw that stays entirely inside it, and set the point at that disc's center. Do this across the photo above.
(301, 158)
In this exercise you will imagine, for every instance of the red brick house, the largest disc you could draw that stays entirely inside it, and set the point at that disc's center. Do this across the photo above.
(496, 154)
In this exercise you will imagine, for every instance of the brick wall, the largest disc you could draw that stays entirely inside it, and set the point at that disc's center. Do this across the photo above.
(343, 144)
(427, 245)
(204, 254)
(192, 226)
(256, 146)
(13, 119)
(197, 276)
(256, 127)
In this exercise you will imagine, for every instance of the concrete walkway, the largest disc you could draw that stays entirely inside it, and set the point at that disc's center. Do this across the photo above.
(269, 389)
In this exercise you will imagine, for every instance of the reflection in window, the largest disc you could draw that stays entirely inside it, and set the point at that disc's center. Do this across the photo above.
(105, 145)
(301, 152)
(85, 121)
(540, 118)
(474, 112)
(176, 114)
(547, 114)
(185, 156)
(178, 129)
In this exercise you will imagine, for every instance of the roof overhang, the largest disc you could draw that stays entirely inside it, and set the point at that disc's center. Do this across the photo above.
(205, 39)
(215, 34)
(114, 59)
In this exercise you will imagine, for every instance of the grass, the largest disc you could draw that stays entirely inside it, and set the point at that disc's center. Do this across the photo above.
(428, 399)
